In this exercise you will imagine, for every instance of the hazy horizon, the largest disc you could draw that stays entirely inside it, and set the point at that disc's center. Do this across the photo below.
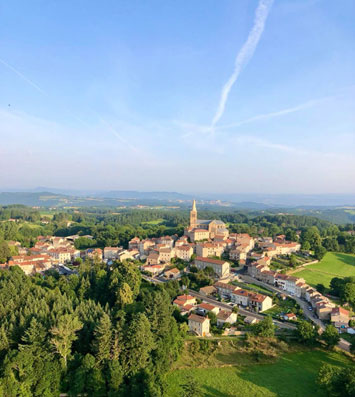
(254, 96)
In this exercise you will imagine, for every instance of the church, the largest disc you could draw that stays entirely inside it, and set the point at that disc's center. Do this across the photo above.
(204, 229)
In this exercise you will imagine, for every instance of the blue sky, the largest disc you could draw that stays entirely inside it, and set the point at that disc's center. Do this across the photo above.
(123, 94)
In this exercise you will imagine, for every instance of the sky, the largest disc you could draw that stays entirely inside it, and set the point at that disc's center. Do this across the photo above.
(190, 96)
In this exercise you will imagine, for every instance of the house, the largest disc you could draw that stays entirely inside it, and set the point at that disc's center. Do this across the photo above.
(165, 255)
(339, 317)
(290, 317)
(181, 241)
(237, 254)
(134, 243)
(153, 258)
(172, 274)
(287, 248)
(209, 249)
(259, 302)
(198, 234)
(111, 252)
(221, 268)
(167, 241)
(183, 300)
(154, 270)
(250, 320)
(324, 310)
(280, 280)
(225, 290)
(207, 307)
(208, 290)
(144, 245)
(240, 297)
(128, 254)
(257, 255)
(184, 252)
(199, 325)
(225, 316)
(94, 253)
(267, 276)
(62, 255)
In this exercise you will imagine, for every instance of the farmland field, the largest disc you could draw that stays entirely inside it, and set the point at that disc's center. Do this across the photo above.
(292, 375)
(332, 265)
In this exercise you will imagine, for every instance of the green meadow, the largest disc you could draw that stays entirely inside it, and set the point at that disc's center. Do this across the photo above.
(332, 265)
(291, 375)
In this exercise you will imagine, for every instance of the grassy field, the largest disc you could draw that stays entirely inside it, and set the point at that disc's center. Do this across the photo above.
(332, 265)
(292, 375)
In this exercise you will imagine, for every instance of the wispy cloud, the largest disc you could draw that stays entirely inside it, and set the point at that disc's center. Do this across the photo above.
(23, 77)
(255, 141)
(266, 116)
(244, 55)
(117, 135)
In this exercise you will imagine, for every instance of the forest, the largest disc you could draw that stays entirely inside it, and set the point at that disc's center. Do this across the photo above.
(103, 332)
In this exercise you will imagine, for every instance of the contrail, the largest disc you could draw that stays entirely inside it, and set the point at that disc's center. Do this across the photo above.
(23, 77)
(244, 55)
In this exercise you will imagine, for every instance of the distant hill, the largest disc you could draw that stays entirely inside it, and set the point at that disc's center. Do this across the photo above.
(32, 199)
(124, 198)
(132, 194)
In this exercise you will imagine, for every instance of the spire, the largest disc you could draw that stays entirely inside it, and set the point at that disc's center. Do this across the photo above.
(194, 205)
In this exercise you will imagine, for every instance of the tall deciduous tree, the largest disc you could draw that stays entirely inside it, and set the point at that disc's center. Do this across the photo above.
(330, 336)
(64, 334)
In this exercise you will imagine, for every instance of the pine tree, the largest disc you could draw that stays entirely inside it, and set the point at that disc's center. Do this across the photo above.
(139, 343)
(103, 339)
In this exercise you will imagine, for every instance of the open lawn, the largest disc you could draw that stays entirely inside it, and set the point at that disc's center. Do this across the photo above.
(156, 222)
(253, 287)
(332, 265)
(292, 375)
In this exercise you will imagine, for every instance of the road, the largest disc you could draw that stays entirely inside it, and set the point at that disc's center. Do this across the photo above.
(343, 344)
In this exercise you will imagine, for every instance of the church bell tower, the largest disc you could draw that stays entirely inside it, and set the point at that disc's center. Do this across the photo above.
(193, 216)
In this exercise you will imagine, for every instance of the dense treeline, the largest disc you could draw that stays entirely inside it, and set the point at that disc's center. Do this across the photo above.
(102, 332)
(19, 212)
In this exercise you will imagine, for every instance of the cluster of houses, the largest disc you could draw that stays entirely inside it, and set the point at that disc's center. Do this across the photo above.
(198, 321)
(207, 240)
(244, 298)
(48, 251)
(322, 306)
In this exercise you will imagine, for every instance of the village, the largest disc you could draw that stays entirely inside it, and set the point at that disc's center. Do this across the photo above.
(205, 245)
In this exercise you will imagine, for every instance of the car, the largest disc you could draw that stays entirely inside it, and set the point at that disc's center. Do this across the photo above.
(310, 308)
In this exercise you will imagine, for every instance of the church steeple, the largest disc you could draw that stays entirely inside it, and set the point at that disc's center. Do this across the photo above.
(193, 216)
